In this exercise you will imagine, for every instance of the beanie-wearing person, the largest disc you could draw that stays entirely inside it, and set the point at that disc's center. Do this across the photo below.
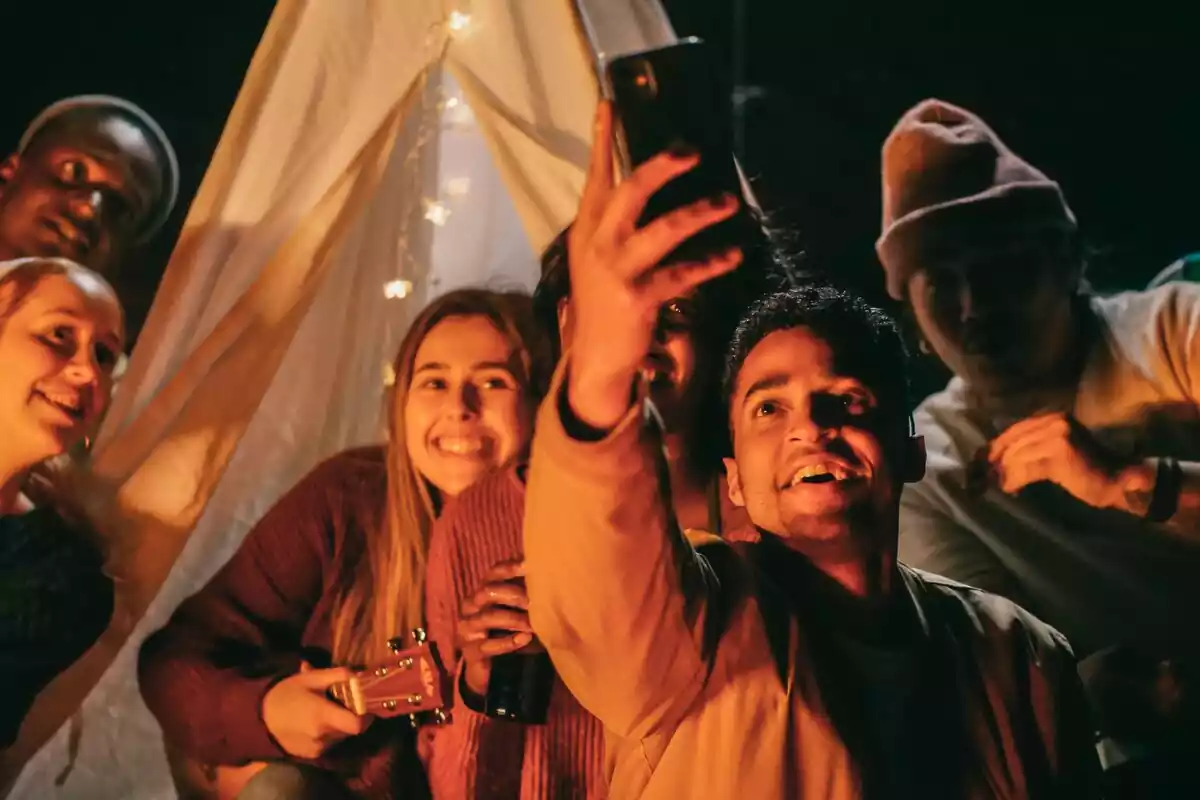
(1063, 454)
(92, 178)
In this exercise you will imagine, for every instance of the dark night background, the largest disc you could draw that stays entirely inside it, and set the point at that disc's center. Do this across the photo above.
(1103, 101)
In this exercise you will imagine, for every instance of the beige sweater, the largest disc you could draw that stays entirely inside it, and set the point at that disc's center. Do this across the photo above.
(1101, 577)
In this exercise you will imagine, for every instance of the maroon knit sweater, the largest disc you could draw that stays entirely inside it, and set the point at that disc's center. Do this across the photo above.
(205, 674)
(475, 756)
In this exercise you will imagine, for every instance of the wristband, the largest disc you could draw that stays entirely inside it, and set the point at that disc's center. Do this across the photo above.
(1167, 484)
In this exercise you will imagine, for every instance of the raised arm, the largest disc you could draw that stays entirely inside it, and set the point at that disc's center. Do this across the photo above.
(609, 576)
(205, 674)
(606, 570)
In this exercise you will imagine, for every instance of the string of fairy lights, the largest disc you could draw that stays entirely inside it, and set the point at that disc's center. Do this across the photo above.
(451, 112)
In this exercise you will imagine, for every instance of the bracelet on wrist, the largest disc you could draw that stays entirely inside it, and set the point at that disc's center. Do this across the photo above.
(1168, 482)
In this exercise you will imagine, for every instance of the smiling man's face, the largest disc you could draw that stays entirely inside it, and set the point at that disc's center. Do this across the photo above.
(808, 461)
(79, 191)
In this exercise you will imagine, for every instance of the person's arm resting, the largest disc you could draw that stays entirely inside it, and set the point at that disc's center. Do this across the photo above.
(1169, 492)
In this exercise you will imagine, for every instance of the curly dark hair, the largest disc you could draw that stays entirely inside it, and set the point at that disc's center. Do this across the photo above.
(866, 342)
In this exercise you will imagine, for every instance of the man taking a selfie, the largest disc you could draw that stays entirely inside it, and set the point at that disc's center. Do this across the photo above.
(800, 660)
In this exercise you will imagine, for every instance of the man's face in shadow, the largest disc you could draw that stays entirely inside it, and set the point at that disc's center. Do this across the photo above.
(999, 318)
(81, 190)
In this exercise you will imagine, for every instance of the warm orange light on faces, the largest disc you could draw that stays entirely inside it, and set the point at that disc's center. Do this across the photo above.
(806, 451)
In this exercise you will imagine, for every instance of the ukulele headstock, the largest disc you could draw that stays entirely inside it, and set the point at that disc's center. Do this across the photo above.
(410, 682)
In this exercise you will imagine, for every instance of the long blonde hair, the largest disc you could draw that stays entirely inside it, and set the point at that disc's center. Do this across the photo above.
(380, 591)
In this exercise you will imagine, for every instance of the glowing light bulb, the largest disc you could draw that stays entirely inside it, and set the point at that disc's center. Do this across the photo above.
(459, 21)
(457, 187)
(389, 375)
(437, 213)
(452, 102)
(397, 289)
(459, 115)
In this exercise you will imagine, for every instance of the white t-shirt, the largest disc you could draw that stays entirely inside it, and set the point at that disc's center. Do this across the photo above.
(1102, 577)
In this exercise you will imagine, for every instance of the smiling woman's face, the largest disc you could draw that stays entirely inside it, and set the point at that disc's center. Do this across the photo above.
(59, 346)
(466, 412)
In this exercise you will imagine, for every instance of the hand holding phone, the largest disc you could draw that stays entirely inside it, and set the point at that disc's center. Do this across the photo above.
(672, 99)
(621, 273)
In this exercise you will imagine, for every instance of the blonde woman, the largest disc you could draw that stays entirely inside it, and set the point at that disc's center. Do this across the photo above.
(336, 568)
(61, 332)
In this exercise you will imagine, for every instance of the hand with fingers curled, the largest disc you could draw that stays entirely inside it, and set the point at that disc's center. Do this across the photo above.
(1056, 448)
(619, 279)
(492, 622)
(301, 716)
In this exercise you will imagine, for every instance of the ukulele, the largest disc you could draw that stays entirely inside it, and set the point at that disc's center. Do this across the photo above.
(411, 682)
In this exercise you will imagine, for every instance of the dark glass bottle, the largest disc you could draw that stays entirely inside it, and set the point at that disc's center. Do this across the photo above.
(520, 685)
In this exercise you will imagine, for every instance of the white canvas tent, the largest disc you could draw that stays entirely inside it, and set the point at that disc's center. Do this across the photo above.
(380, 152)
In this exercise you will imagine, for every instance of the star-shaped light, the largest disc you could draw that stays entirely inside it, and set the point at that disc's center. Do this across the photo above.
(437, 213)
(397, 289)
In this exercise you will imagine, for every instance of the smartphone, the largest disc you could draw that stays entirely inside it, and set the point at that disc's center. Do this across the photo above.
(674, 96)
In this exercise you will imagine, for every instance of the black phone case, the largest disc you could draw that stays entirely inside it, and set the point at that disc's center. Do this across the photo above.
(673, 97)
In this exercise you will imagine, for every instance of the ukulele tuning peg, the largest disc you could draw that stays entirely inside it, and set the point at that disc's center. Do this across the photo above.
(418, 635)
(396, 644)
